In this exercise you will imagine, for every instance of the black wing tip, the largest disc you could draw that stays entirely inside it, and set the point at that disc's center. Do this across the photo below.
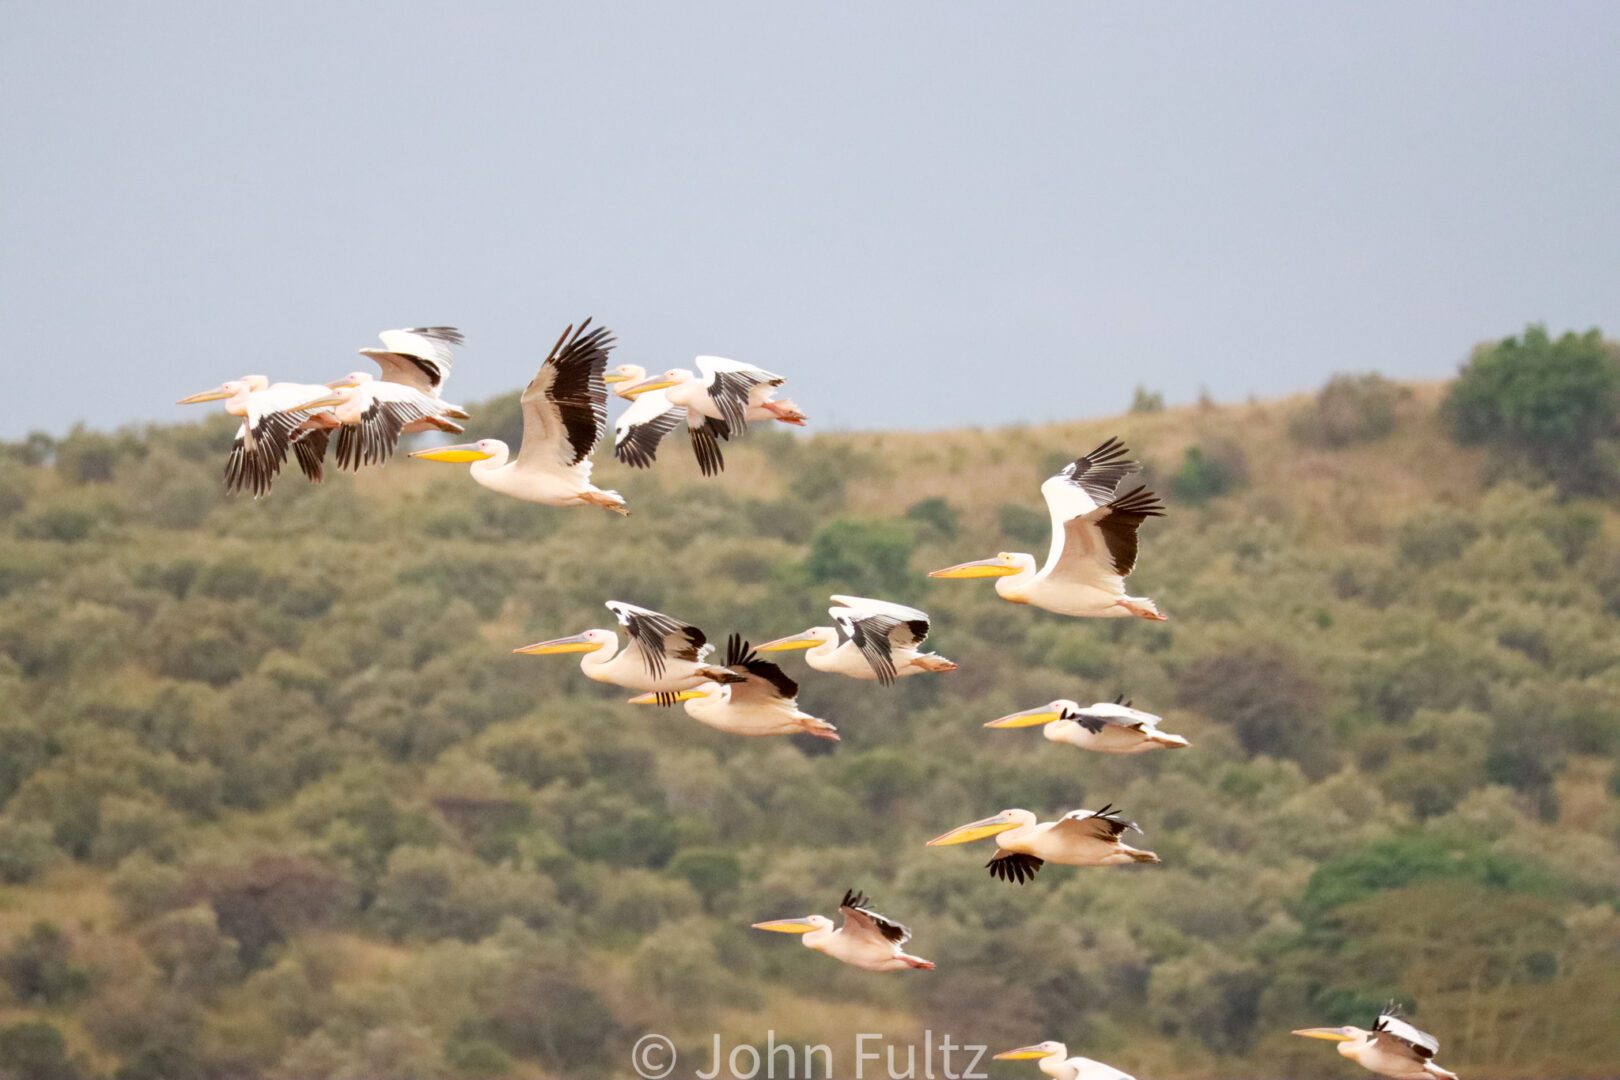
(1138, 501)
(1014, 868)
(447, 334)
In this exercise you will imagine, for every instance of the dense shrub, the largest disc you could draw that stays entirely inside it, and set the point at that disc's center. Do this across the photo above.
(1349, 409)
(1208, 472)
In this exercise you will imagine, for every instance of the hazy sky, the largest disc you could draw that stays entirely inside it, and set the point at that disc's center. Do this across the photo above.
(924, 214)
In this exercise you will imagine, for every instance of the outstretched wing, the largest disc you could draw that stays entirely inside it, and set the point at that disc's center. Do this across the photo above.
(1014, 867)
(419, 357)
(1393, 1028)
(658, 636)
(878, 628)
(642, 426)
(1116, 713)
(707, 433)
(565, 404)
(1104, 824)
(1099, 548)
(762, 680)
(731, 386)
(859, 918)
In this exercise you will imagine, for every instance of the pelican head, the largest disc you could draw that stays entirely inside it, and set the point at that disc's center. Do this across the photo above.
(809, 639)
(625, 373)
(1038, 1052)
(1044, 714)
(1006, 564)
(342, 394)
(699, 693)
(247, 384)
(657, 382)
(353, 378)
(990, 826)
(482, 450)
(588, 642)
(802, 925)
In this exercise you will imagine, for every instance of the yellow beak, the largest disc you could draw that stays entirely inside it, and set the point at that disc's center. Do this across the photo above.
(785, 926)
(341, 384)
(981, 568)
(218, 393)
(1023, 1053)
(576, 644)
(611, 379)
(459, 453)
(1330, 1034)
(1028, 718)
(966, 834)
(645, 386)
(787, 644)
(653, 698)
(320, 403)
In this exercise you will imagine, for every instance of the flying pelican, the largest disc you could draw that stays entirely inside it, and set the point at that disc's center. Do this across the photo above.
(873, 639)
(1108, 727)
(716, 406)
(272, 421)
(1093, 543)
(651, 416)
(1055, 1062)
(763, 703)
(867, 940)
(1392, 1048)
(1078, 838)
(370, 415)
(564, 415)
(662, 656)
(419, 357)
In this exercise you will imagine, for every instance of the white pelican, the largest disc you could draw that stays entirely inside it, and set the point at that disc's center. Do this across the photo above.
(272, 421)
(1078, 838)
(564, 416)
(1108, 727)
(867, 940)
(717, 405)
(1392, 1048)
(651, 416)
(419, 357)
(371, 414)
(662, 656)
(1093, 543)
(873, 639)
(765, 702)
(1055, 1062)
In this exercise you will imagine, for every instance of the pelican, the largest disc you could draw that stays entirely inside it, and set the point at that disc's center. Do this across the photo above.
(1055, 1062)
(716, 405)
(1078, 838)
(662, 656)
(419, 357)
(867, 940)
(1108, 727)
(873, 639)
(763, 703)
(370, 415)
(1093, 543)
(1392, 1048)
(651, 416)
(272, 421)
(564, 416)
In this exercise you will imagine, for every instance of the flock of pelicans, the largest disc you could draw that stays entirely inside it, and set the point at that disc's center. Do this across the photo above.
(1093, 550)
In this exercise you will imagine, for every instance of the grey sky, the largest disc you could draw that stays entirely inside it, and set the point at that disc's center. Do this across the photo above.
(925, 214)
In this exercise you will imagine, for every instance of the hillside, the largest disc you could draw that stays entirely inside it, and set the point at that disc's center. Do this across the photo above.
(279, 802)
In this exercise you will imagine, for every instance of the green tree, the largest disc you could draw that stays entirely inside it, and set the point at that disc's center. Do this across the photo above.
(1553, 405)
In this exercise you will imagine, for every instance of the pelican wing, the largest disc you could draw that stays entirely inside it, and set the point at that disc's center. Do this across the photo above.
(1104, 824)
(1080, 486)
(877, 628)
(1014, 867)
(1116, 713)
(419, 357)
(390, 409)
(1099, 547)
(658, 636)
(643, 426)
(763, 681)
(731, 385)
(262, 441)
(565, 405)
(1392, 1029)
(707, 433)
(858, 918)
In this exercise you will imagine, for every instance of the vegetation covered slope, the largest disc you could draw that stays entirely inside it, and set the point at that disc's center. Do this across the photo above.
(279, 801)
